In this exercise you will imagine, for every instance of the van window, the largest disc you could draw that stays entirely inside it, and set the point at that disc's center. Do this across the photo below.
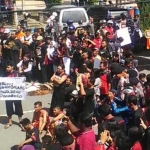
(117, 13)
(73, 15)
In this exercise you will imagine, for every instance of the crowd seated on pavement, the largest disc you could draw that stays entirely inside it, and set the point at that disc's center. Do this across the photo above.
(100, 101)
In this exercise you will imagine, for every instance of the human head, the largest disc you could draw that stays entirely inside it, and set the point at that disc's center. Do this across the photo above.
(46, 140)
(26, 58)
(85, 55)
(60, 68)
(128, 63)
(25, 123)
(91, 81)
(103, 65)
(95, 52)
(34, 37)
(56, 110)
(98, 35)
(69, 80)
(142, 77)
(28, 32)
(132, 101)
(85, 120)
(39, 39)
(48, 39)
(9, 67)
(134, 134)
(19, 28)
(37, 106)
(109, 23)
(104, 44)
(13, 35)
(84, 44)
(104, 110)
(6, 32)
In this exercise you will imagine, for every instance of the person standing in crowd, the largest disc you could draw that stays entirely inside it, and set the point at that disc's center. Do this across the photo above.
(20, 34)
(58, 79)
(5, 53)
(40, 59)
(85, 137)
(14, 45)
(11, 104)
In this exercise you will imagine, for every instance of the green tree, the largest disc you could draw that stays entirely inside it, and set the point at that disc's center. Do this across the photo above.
(144, 7)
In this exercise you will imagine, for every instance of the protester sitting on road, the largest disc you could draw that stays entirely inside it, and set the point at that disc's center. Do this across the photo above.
(25, 68)
(57, 120)
(40, 117)
(32, 135)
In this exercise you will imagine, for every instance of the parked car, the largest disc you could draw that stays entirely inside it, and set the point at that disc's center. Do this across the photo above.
(69, 12)
(105, 12)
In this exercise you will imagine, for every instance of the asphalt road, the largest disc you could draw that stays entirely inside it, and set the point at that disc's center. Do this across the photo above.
(13, 135)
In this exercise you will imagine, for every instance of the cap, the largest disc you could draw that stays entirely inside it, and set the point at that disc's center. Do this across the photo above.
(110, 22)
(54, 14)
(119, 70)
(39, 38)
(6, 31)
(74, 93)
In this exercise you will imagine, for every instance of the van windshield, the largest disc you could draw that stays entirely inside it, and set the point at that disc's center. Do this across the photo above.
(73, 15)
(117, 13)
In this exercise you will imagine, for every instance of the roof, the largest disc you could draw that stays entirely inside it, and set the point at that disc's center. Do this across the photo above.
(107, 7)
(60, 7)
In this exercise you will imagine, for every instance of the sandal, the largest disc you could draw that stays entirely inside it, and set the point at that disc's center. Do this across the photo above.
(7, 126)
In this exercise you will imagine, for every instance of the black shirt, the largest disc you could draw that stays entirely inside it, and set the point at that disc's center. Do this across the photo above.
(88, 101)
(34, 135)
(14, 44)
(68, 91)
(84, 64)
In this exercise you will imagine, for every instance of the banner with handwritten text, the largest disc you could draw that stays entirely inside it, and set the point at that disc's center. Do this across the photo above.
(12, 88)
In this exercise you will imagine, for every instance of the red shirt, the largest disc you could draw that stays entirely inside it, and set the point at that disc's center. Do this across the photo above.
(137, 146)
(111, 31)
(97, 42)
(85, 140)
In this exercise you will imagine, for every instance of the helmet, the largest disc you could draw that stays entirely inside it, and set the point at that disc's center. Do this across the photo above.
(102, 21)
(63, 32)
(54, 14)
(69, 22)
(71, 27)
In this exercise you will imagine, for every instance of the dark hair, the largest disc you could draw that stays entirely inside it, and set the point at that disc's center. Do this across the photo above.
(86, 119)
(123, 142)
(38, 103)
(47, 139)
(25, 122)
(132, 99)
(104, 110)
(96, 73)
(148, 78)
(92, 80)
(60, 131)
(71, 79)
(142, 75)
(134, 134)
(127, 61)
(62, 135)
(105, 63)
(62, 66)
(147, 114)
(58, 107)
(9, 63)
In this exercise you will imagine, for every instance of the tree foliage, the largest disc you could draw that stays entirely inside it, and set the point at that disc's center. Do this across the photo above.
(144, 7)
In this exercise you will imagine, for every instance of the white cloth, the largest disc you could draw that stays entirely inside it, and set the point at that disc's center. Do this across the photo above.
(67, 62)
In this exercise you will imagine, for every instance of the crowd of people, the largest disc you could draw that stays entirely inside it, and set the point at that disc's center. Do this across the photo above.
(96, 85)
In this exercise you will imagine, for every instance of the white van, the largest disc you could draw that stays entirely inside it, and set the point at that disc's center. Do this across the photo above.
(68, 12)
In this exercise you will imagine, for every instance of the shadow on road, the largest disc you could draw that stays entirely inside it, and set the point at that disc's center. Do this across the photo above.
(14, 147)
(4, 120)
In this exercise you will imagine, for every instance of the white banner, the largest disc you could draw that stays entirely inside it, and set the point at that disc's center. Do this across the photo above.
(12, 88)
(124, 33)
